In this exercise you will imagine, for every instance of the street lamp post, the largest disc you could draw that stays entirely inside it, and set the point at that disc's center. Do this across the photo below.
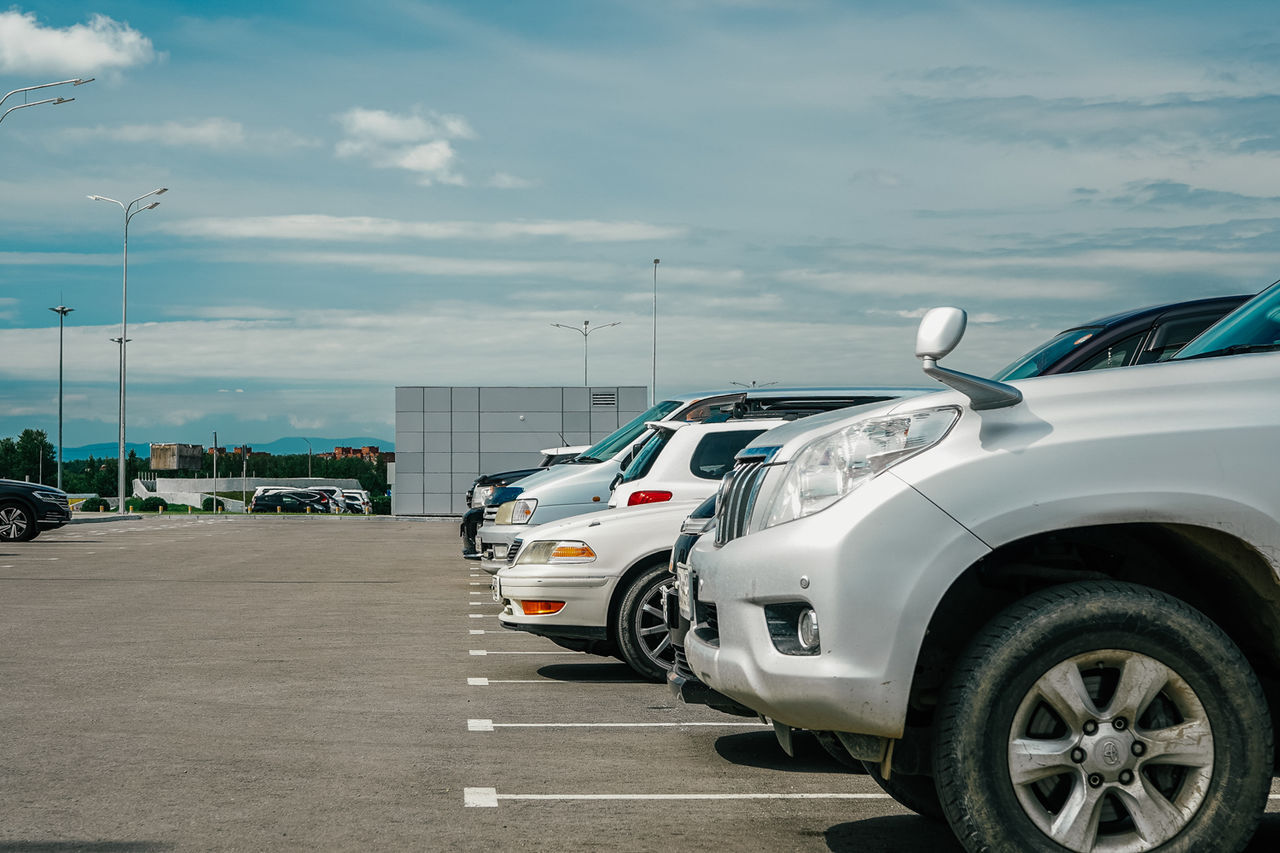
(585, 331)
(653, 385)
(308, 457)
(62, 311)
(54, 101)
(129, 213)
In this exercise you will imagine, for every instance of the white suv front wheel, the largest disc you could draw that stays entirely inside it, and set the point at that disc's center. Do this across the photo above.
(1103, 716)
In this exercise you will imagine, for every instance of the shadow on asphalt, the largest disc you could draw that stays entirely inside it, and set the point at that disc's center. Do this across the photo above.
(590, 673)
(914, 834)
(760, 749)
(894, 834)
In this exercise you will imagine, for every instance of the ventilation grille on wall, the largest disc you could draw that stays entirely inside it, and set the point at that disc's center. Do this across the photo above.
(604, 398)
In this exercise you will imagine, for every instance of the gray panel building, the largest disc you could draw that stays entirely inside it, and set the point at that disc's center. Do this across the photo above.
(447, 436)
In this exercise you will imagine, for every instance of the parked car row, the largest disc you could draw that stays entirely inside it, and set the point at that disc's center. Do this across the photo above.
(314, 499)
(1043, 608)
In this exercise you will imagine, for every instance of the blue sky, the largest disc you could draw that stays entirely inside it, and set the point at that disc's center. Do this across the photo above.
(411, 193)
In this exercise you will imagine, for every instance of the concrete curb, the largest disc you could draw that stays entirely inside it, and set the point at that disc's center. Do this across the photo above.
(101, 517)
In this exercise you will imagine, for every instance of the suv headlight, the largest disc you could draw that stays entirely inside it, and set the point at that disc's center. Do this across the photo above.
(556, 552)
(828, 468)
(522, 510)
(51, 497)
(481, 495)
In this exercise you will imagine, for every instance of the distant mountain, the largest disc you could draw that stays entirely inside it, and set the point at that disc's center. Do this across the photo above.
(279, 447)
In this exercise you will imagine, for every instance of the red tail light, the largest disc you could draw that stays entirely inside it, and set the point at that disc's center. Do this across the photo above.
(651, 497)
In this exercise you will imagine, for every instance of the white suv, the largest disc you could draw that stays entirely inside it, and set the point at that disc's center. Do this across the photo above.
(1046, 609)
(597, 582)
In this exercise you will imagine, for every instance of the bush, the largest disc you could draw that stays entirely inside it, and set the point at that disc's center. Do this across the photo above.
(207, 506)
(154, 503)
(381, 504)
(133, 504)
(178, 508)
(94, 505)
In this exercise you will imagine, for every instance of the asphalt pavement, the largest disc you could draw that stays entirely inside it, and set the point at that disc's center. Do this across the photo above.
(201, 683)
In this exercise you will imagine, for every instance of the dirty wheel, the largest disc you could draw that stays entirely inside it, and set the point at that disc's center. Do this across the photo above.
(1103, 716)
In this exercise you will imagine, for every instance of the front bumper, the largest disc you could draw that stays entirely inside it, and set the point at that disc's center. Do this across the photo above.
(873, 566)
(585, 590)
(493, 542)
(50, 516)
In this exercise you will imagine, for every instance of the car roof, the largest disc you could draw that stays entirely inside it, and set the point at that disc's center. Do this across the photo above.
(1156, 310)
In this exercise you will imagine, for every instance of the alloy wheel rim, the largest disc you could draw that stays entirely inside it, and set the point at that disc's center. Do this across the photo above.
(1111, 750)
(650, 627)
(12, 523)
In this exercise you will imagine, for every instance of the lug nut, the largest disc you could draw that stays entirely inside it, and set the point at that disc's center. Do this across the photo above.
(1095, 780)
(1078, 755)
(1126, 776)
(1120, 724)
(1138, 748)
(1090, 727)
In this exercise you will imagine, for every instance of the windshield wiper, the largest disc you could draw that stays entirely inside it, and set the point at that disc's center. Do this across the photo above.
(589, 460)
(1234, 349)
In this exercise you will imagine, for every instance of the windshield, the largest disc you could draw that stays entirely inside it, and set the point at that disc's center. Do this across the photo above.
(611, 445)
(1254, 326)
(1047, 354)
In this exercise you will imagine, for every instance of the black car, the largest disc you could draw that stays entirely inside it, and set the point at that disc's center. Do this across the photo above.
(28, 508)
(292, 500)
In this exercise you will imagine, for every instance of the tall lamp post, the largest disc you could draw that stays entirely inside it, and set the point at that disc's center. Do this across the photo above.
(54, 101)
(62, 311)
(130, 211)
(585, 331)
(653, 385)
(308, 457)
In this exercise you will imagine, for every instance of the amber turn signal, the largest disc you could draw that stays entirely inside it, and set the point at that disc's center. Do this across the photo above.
(541, 608)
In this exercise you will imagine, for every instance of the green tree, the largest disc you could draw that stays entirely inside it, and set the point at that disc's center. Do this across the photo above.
(30, 457)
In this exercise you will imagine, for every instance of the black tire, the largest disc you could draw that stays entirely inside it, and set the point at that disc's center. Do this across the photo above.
(17, 523)
(644, 641)
(1118, 708)
(918, 793)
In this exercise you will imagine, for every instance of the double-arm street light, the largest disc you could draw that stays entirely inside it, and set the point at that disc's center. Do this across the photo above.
(585, 331)
(75, 82)
(62, 311)
(653, 385)
(130, 211)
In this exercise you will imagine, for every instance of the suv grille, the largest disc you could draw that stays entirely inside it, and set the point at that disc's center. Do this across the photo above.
(737, 496)
(490, 514)
(513, 550)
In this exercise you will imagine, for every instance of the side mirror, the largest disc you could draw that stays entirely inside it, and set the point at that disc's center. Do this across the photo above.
(617, 478)
(940, 330)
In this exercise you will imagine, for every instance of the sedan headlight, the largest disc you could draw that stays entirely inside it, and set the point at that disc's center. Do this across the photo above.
(556, 552)
(828, 468)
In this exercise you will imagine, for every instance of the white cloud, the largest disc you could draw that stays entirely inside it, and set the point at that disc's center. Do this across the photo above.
(364, 228)
(96, 47)
(418, 142)
(204, 133)
(299, 422)
(503, 181)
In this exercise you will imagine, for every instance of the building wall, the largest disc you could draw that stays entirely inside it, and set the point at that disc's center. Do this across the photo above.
(447, 436)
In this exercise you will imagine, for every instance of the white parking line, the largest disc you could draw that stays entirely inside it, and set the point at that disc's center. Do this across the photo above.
(476, 631)
(489, 797)
(490, 725)
(485, 682)
(481, 652)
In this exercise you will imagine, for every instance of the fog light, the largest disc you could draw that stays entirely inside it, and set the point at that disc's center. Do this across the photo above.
(807, 629)
(541, 608)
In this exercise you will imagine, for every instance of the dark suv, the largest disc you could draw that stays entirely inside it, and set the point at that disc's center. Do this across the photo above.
(28, 508)
(290, 501)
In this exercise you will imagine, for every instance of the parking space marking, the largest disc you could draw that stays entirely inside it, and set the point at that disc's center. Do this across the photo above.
(490, 725)
(476, 631)
(480, 615)
(489, 797)
(485, 682)
(481, 652)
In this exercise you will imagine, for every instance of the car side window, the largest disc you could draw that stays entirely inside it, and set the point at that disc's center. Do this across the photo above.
(713, 457)
(1117, 355)
(1168, 338)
